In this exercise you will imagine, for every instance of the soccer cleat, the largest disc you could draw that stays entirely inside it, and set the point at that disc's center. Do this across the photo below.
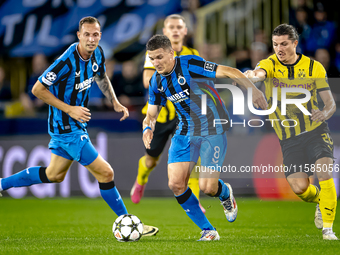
(149, 230)
(209, 235)
(328, 234)
(137, 192)
(318, 218)
(230, 206)
(202, 208)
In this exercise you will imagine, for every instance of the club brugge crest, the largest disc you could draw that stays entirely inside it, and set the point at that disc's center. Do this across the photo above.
(95, 67)
(301, 74)
(181, 80)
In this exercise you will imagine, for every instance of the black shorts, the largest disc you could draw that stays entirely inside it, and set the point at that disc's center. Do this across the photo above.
(306, 149)
(160, 136)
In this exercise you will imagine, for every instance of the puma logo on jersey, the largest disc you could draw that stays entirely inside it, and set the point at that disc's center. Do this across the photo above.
(282, 72)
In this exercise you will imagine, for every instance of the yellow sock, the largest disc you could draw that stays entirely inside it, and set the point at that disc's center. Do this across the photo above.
(312, 194)
(143, 172)
(328, 201)
(193, 181)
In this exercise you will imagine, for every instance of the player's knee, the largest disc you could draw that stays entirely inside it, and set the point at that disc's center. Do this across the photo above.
(107, 174)
(150, 162)
(299, 187)
(176, 187)
(56, 178)
(209, 190)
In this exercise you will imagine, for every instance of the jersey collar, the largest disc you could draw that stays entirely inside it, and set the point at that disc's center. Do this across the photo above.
(85, 60)
(297, 61)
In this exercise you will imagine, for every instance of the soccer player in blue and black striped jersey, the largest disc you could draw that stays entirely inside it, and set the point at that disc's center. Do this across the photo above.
(65, 86)
(185, 81)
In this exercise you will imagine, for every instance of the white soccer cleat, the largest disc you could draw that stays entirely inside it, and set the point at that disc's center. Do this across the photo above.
(328, 234)
(209, 235)
(230, 206)
(318, 218)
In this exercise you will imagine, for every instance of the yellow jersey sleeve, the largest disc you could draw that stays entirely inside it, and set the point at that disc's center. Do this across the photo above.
(268, 66)
(320, 75)
(147, 62)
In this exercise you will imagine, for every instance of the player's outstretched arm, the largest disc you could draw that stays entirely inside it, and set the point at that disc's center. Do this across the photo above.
(105, 86)
(235, 74)
(149, 124)
(79, 113)
(328, 110)
(147, 74)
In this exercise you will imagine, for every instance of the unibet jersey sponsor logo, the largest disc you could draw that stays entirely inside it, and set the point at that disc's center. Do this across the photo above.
(179, 97)
(85, 84)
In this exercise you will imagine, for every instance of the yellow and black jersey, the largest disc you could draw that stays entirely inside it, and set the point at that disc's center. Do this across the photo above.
(304, 73)
(168, 112)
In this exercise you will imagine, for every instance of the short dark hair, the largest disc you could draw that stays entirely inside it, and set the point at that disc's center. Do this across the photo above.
(158, 41)
(90, 20)
(285, 29)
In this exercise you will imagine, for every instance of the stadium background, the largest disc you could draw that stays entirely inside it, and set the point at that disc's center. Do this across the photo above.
(236, 33)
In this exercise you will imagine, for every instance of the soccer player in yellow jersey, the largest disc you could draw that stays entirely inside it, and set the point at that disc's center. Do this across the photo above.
(305, 142)
(175, 29)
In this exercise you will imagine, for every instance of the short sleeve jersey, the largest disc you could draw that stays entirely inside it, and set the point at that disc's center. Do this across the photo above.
(69, 79)
(168, 112)
(305, 73)
(189, 81)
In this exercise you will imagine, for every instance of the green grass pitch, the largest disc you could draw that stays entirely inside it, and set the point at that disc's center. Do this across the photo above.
(83, 226)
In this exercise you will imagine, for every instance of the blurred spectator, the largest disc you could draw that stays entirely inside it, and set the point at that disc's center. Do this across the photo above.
(128, 85)
(303, 28)
(301, 5)
(337, 56)
(5, 91)
(189, 8)
(29, 101)
(322, 55)
(323, 31)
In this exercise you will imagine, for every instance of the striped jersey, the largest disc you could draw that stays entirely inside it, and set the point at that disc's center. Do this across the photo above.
(69, 79)
(168, 112)
(185, 86)
(306, 73)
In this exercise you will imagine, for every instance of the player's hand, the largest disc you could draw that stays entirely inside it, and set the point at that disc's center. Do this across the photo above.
(318, 116)
(120, 108)
(250, 74)
(147, 138)
(259, 99)
(79, 113)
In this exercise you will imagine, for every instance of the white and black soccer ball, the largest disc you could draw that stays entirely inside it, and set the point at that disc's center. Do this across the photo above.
(127, 228)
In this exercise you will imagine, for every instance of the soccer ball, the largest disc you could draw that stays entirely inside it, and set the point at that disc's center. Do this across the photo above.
(127, 228)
